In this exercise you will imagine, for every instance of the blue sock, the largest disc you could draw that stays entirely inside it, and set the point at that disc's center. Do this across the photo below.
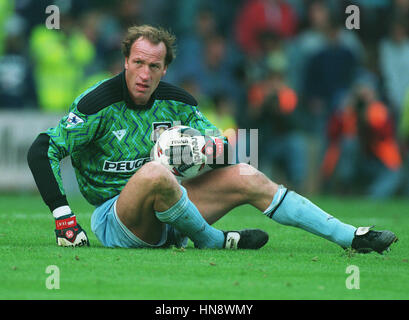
(289, 208)
(185, 217)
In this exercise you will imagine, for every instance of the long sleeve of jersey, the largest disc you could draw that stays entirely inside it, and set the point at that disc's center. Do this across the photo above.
(71, 135)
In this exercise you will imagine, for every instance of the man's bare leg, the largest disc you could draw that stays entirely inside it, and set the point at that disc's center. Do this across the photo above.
(219, 191)
(153, 197)
(150, 189)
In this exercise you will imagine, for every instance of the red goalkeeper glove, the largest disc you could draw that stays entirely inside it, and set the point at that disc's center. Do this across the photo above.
(216, 151)
(69, 233)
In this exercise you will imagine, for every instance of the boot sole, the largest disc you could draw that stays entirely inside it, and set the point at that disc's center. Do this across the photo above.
(389, 239)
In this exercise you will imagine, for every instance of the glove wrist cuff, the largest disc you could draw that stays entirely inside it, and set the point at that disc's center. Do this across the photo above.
(61, 212)
(61, 224)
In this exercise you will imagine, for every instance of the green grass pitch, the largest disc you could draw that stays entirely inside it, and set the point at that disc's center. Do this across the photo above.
(293, 265)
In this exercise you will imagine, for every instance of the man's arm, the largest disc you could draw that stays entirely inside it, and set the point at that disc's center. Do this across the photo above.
(73, 132)
(41, 164)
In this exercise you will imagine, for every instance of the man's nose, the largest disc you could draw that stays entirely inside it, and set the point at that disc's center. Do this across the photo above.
(145, 73)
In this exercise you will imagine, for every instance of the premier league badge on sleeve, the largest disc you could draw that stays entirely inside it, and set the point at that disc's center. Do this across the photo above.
(73, 120)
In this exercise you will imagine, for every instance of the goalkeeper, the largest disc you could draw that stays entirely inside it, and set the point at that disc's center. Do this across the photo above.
(109, 132)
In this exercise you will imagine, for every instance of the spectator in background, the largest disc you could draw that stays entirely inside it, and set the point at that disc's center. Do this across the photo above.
(225, 12)
(192, 45)
(259, 16)
(216, 74)
(60, 58)
(183, 15)
(404, 120)
(17, 88)
(201, 43)
(33, 11)
(399, 10)
(182, 20)
(213, 67)
(313, 39)
(156, 12)
(220, 112)
(102, 31)
(99, 30)
(274, 110)
(363, 152)
(374, 15)
(273, 54)
(404, 140)
(6, 12)
(128, 12)
(328, 77)
(394, 64)
(219, 109)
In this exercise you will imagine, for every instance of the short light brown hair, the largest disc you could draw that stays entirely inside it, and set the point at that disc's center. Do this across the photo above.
(154, 35)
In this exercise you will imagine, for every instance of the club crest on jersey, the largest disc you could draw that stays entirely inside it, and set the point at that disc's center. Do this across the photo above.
(73, 120)
(158, 128)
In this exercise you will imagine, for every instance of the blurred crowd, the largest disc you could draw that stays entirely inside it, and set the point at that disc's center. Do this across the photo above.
(331, 104)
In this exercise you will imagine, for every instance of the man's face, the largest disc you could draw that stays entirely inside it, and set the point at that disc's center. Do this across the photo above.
(144, 67)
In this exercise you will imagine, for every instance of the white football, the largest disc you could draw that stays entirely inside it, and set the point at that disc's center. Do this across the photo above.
(187, 144)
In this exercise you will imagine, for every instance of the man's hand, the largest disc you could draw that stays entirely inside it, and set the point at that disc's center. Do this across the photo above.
(215, 150)
(69, 233)
(200, 149)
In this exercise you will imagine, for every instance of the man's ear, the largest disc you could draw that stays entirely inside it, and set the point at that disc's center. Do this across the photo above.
(164, 71)
(126, 63)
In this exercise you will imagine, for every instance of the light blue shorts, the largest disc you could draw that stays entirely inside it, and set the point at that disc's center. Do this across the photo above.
(111, 232)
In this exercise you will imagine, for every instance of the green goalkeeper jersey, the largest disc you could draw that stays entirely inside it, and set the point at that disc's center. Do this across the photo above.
(108, 138)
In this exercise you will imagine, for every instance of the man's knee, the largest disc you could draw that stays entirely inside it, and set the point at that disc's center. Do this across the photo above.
(247, 178)
(155, 177)
(244, 169)
(153, 186)
(253, 182)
